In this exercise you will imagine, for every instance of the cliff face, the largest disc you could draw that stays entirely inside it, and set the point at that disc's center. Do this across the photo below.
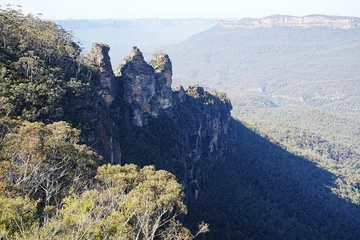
(100, 59)
(99, 132)
(163, 76)
(210, 129)
(185, 131)
(147, 87)
(310, 21)
(203, 140)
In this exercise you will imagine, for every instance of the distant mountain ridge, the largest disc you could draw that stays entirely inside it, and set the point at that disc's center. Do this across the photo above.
(149, 35)
(309, 21)
(128, 23)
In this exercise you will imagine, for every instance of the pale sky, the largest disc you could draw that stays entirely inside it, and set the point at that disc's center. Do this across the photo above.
(125, 9)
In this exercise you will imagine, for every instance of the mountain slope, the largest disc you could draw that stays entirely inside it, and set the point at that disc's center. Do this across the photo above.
(285, 63)
(283, 75)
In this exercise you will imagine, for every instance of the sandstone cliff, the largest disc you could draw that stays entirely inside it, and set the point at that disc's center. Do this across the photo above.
(310, 21)
(99, 133)
(100, 59)
(185, 131)
(147, 87)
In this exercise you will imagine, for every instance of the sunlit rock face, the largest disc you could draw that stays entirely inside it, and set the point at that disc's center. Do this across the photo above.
(100, 59)
(163, 75)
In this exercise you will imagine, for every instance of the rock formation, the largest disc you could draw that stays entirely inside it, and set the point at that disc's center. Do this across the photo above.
(179, 93)
(147, 87)
(204, 139)
(189, 126)
(310, 21)
(163, 75)
(99, 58)
(102, 137)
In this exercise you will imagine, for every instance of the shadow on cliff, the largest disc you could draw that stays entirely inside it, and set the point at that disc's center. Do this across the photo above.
(264, 192)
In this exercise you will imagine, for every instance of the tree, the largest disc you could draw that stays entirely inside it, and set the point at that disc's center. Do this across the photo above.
(38, 62)
(17, 215)
(45, 161)
(126, 203)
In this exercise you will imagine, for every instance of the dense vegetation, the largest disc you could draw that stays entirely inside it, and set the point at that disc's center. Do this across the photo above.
(264, 192)
(52, 185)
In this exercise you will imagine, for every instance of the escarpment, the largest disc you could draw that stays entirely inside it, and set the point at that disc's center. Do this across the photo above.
(183, 130)
(310, 21)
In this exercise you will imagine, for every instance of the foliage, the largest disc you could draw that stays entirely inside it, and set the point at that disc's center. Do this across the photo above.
(47, 191)
(16, 215)
(45, 161)
(126, 203)
(49, 188)
(41, 67)
(337, 158)
(297, 88)
(284, 79)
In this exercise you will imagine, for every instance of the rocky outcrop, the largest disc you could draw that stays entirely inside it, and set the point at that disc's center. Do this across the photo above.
(101, 136)
(147, 87)
(185, 131)
(100, 59)
(147, 91)
(310, 21)
(163, 76)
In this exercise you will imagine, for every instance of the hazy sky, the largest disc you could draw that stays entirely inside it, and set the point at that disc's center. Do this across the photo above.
(104, 9)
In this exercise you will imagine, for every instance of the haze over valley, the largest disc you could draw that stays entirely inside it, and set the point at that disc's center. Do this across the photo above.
(149, 34)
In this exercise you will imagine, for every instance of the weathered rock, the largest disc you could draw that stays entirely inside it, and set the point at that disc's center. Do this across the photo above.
(139, 82)
(205, 139)
(163, 75)
(146, 89)
(195, 91)
(99, 57)
(100, 135)
(189, 127)
(163, 68)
